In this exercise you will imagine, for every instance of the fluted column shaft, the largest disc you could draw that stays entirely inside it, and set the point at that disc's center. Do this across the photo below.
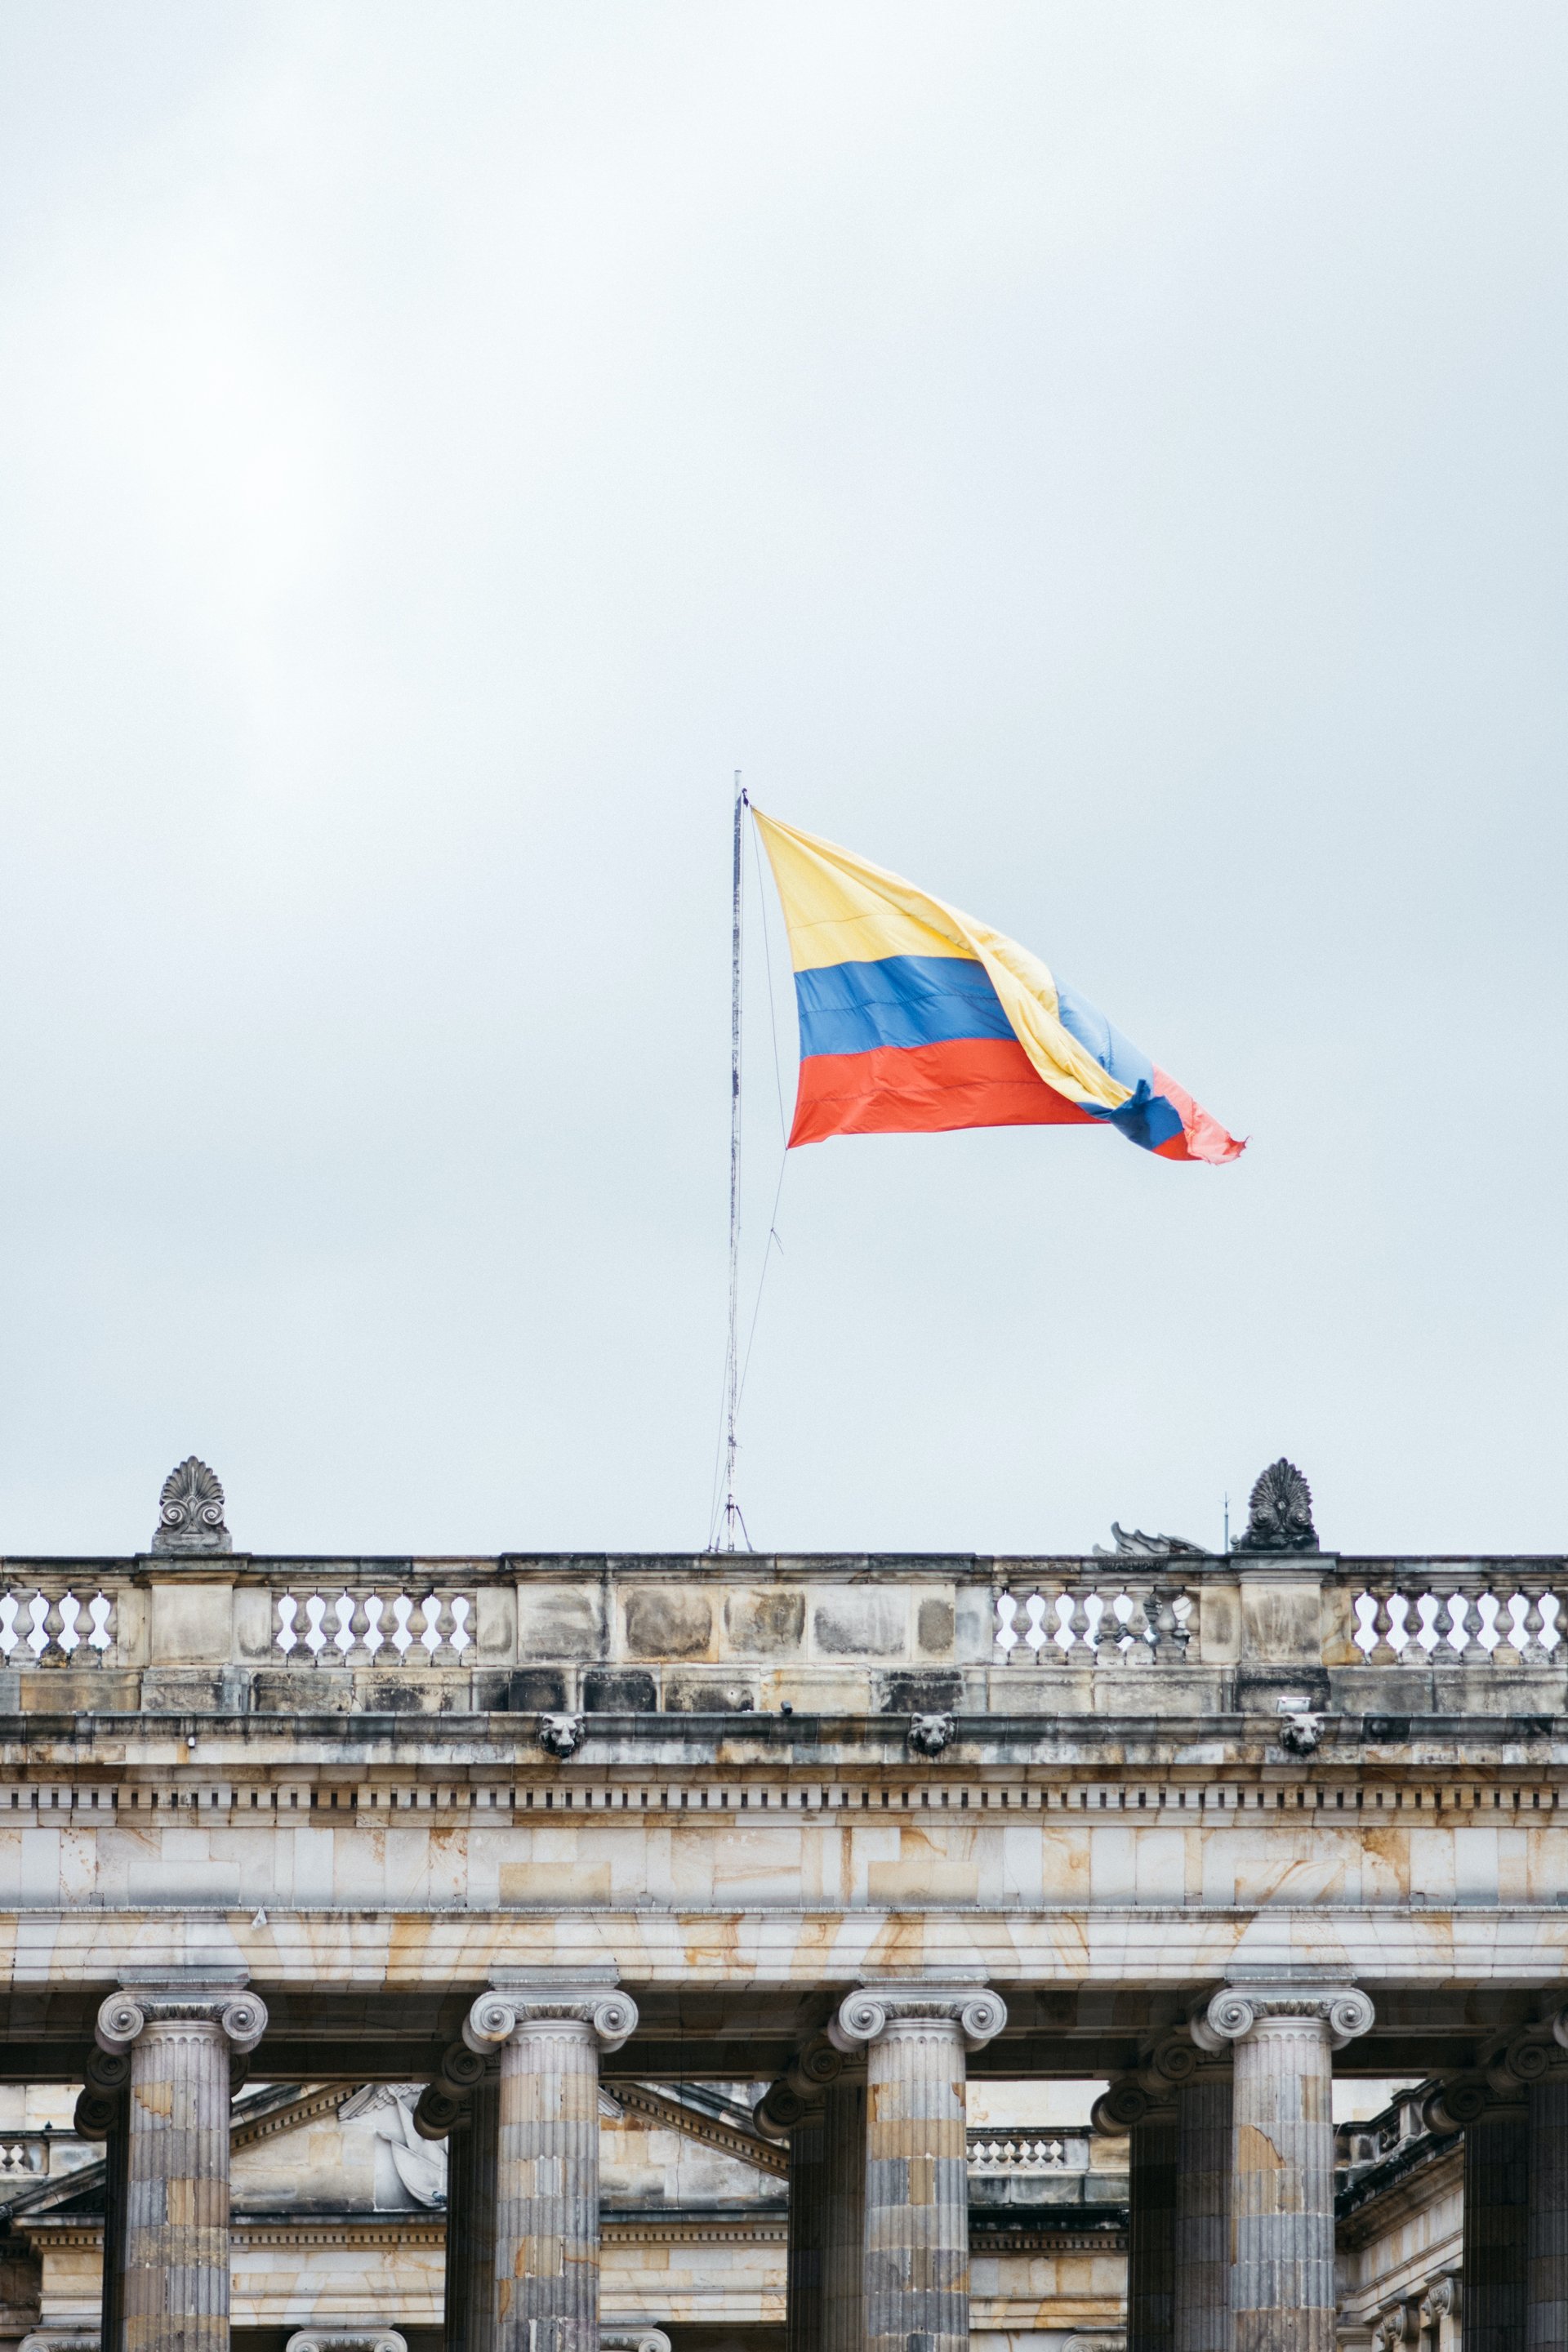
(1203, 2125)
(1547, 2254)
(547, 2189)
(545, 2259)
(1497, 2219)
(843, 2237)
(917, 2189)
(1151, 2236)
(805, 2262)
(917, 2172)
(1282, 2189)
(175, 2249)
(116, 2174)
(1282, 2156)
(470, 2284)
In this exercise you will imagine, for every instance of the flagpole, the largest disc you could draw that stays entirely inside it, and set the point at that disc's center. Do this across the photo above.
(733, 1519)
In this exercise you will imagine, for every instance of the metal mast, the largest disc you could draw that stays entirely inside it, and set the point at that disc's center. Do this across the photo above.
(733, 1522)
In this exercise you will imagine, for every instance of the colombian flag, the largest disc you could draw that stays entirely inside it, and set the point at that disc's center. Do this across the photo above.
(914, 1017)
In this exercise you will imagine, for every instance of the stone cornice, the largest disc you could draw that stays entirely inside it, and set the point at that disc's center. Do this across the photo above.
(1433, 2168)
(655, 2106)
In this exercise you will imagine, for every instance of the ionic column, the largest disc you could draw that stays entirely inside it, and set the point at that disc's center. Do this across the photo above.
(844, 2189)
(917, 2174)
(1176, 2279)
(1494, 2119)
(100, 2116)
(1151, 2237)
(1203, 2213)
(819, 2108)
(175, 2268)
(1282, 2158)
(462, 2106)
(800, 2120)
(546, 2254)
(1547, 2240)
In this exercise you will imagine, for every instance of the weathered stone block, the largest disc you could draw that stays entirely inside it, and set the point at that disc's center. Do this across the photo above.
(609, 1690)
(253, 1627)
(1218, 1624)
(495, 1622)
(934, 1625)
(927, 1691)
(764, 1622)
(662, 1622)
(181, 1690)
(859, 1622)
(277, 1691)
(406, 1694)
(1281, 1620)
(192, 1623)
(532, 1689)
(561, 1621)
(720, 1692)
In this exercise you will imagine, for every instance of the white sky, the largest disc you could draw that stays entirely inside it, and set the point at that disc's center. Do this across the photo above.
(1105, 461)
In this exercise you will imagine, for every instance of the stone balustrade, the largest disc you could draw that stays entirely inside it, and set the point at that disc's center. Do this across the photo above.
(657, 1634)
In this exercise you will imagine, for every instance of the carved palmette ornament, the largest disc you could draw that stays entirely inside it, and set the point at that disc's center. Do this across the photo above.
(190, 1511)
(1280, 1512)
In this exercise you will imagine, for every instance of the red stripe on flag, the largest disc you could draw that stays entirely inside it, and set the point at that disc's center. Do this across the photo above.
(922, 1090)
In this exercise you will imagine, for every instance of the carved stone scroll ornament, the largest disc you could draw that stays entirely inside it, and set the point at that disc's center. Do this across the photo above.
(1174, 2059)
(632, 2339)
(124, 2017)
(496, 2017)
(1280, 1512)
(799, 2090)
(346, 2339)
(101, 2102)
(1232, 2014)
(190, 1511)
(444, 2104)
(865, 2016)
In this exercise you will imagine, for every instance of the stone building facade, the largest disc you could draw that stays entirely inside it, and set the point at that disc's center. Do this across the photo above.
(838, 1955)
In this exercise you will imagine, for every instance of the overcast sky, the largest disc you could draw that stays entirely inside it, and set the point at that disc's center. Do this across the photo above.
(1103, 461)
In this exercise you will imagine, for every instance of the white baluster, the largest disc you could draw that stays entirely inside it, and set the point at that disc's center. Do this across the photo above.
(430, 1609)
(343, 1611)
(1487, 1609)
(101, 1610)
(402, 1639)
(1459, 1634)
(1518, 1623)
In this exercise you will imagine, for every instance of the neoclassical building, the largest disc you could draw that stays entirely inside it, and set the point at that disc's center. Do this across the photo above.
(847, 1954)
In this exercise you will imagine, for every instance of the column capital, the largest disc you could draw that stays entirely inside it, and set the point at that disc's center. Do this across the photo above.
(124, 2017)
(1237, 2011)
(500, 2017)
(1174, 2059)
(978, 2013)
(444, 2104)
